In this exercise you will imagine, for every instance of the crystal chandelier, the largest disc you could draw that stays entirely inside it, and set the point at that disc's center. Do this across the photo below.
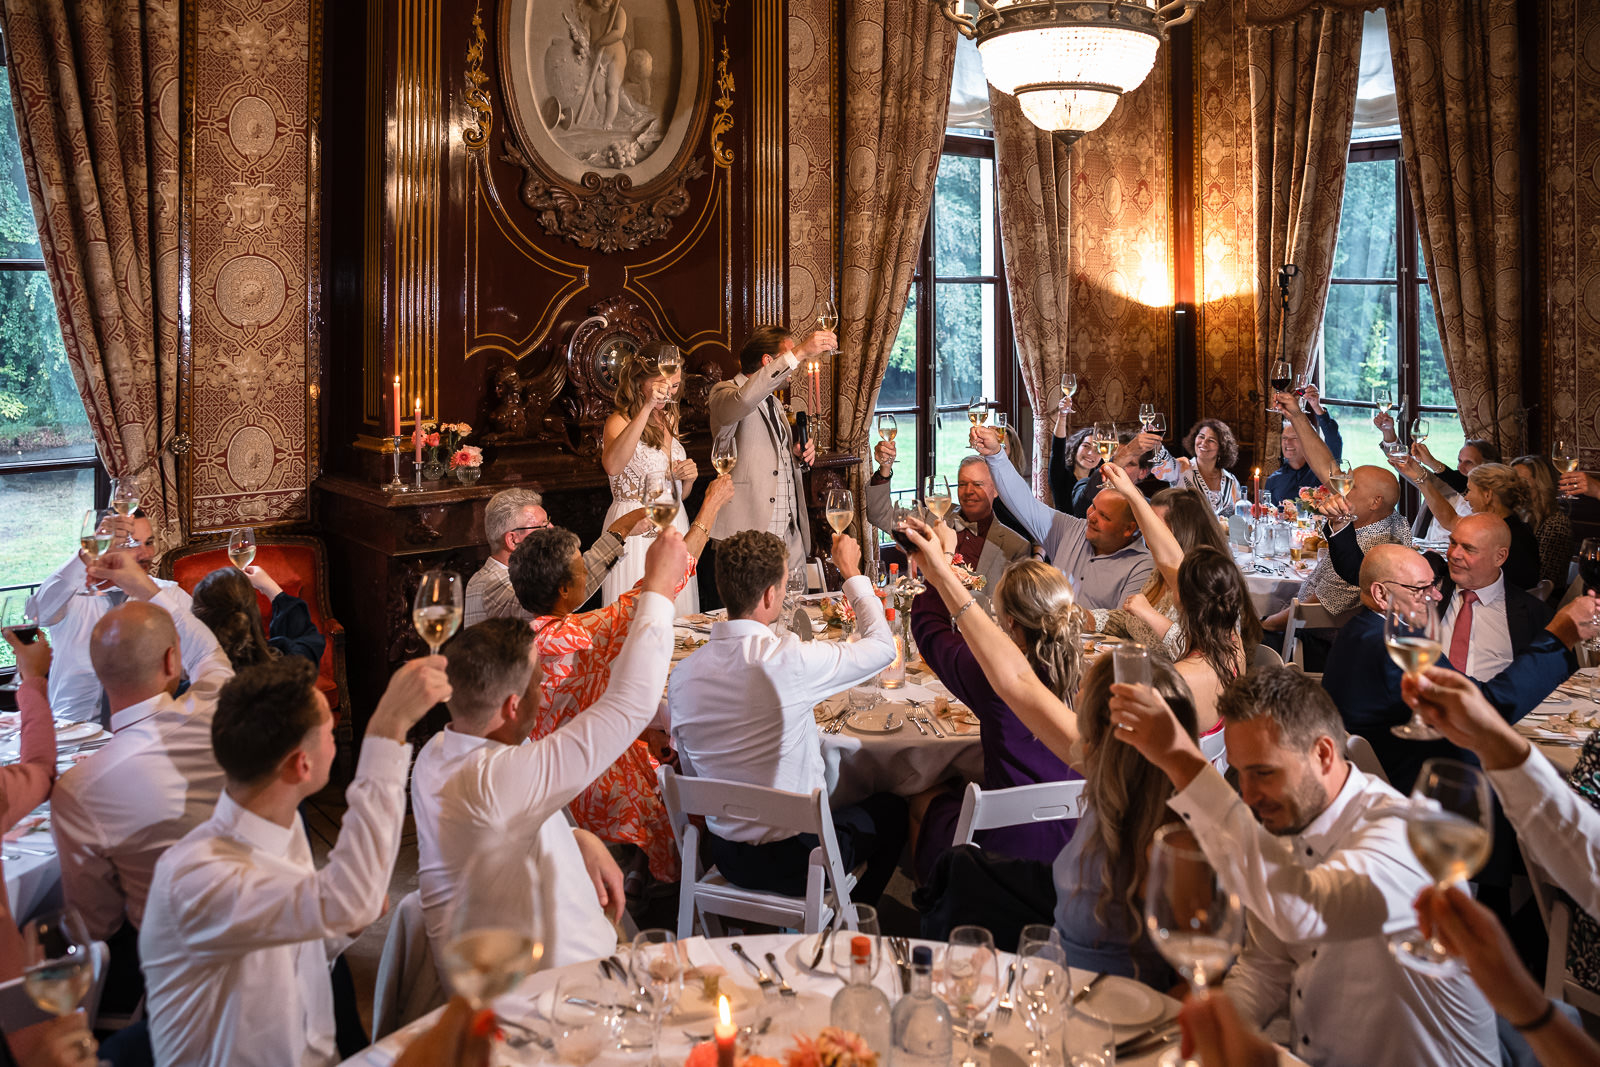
(1068, 62)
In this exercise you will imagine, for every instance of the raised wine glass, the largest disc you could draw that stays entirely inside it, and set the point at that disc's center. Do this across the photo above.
(1342, 479)
(977, 411)
(1420, 428)
(1001, 422)
(242, 547)
(125, 501)
(670, 361)
(1281, 379)
(497, 922)
(840, 509)
(828, 316)
(436, 611)
(17, 619)
(1069, 385)
(1146, 413)
(1448, 825)
(1158, 426)
(1105, 439)
(94, 537)
(969, 979)
(887, 428)
(1383, 398)
(724, 455)
(661, 499)
(1411, 634)
(1565, 457)
(936, 496)
(57, 961)
(1192, 918)
(658, 970)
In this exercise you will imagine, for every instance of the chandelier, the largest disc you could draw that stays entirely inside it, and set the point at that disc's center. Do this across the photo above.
(1068, 62)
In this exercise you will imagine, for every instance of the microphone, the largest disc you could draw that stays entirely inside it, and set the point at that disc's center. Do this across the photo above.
(801, 436)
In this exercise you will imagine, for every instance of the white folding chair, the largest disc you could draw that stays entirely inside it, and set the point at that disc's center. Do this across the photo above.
(17, 1008)
(1304, 616)
(986, 809)
(1265, 656)
(1556, 910)
(709, 895)
(1214, 747)
(1543, 589)
(1358, 750)
(408, 984)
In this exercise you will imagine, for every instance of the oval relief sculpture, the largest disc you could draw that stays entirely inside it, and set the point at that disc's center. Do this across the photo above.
(252, 127)
(250, 290)
(250, 457)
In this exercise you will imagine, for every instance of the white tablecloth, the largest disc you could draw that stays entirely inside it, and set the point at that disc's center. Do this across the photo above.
(806, 1013)
(1271, 592)
(1561, 748)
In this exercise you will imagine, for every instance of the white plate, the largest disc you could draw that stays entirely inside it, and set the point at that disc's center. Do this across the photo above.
(1122, 1002)
(883, 719)
(77, 731)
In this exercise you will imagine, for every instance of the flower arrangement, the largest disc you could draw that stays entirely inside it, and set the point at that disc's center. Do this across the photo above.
(443, 443)
(970, 578)
(467, 456)
(832, 1047)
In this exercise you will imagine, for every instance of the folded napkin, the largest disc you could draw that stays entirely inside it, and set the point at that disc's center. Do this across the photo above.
(704, 979)
(831, 707)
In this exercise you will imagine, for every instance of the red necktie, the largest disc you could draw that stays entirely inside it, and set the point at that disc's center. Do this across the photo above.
(1461, 636)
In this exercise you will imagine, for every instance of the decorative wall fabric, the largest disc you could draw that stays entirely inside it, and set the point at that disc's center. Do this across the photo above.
(1456, 81)
(1274, 12)
(96, 94)
(812, 188)
(898, 60)
(1303, 77)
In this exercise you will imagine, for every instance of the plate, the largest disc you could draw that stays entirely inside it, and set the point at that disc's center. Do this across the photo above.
(884, 719)
(77, 731)
(1122, 1002)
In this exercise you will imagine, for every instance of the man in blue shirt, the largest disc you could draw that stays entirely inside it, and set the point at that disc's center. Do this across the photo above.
(1294, 473)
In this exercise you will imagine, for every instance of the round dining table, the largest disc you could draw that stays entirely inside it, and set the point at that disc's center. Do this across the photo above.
(1272, 583)
(774, 1016)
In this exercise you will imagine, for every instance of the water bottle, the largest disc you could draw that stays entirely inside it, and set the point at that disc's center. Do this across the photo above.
(921, 1022)
(860, 1006)
(1239, 525)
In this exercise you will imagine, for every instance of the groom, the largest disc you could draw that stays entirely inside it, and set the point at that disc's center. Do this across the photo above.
(768, 493)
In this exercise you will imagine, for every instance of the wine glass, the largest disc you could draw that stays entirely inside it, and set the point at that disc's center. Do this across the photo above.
(1158, 426)
(977, 411)
(828, 316)
(579, 1017)
(936, 496)
(94, 537)
(1449, 827)
(1147, 412)
(436, 611)
(1105, 439)
(497, 922)
(866, 917)
(887, 427)
(1383, 398)
(1420, 427)
(724, 455)
(1411, 634)
(1001, 422)
(1565, 456)
(1069, 385)
(658, 970)
(242, 547)
(840, 509)
(670, 361)
(1342, 479)
(17, 619)
(662, 499)
(1192, 918)
(125, 501)
(969, 980)
(57, 961)
(1041, 987)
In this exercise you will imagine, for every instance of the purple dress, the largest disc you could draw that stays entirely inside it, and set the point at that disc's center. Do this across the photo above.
(1011, 754)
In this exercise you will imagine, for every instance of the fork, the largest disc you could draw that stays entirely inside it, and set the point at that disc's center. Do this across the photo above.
(763, 979)
(783, 983)
(1002, 1011)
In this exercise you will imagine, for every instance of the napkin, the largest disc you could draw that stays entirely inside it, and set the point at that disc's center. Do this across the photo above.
(831, 707)
(696, 1003)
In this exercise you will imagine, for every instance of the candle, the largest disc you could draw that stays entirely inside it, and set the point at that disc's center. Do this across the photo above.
(416, 433)
(1255, 488)
(725, 1033)
(395, 406)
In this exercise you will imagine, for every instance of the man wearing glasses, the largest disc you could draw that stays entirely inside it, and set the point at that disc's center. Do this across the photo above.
(984, 543)
(511, 515)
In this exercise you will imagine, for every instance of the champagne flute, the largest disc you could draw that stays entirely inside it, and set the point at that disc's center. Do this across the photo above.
(1565, 456)
(497, 922)
(57, 961)
(94, 537)
(724, 455)
(840, 509)
(936, 496)
(17, 619)
(242, 547)
(436, 611)
(1448, 826)
(661, 499)
(1192, 918)
(658, 970)
(887, 427)
(970, 979)
(1411, 634)
(125, 501)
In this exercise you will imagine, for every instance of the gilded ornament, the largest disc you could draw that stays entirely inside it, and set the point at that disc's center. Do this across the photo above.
(476, 136)
(722, 121)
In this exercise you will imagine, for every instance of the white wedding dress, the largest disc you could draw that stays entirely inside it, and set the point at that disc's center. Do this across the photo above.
(627, 490)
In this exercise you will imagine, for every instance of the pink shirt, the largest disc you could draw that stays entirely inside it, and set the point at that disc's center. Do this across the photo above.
(23, 787)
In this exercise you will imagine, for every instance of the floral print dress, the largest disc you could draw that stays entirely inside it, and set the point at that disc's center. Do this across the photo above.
(624, 803)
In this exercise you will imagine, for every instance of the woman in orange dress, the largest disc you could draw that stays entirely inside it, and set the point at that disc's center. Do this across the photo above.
(575, 652)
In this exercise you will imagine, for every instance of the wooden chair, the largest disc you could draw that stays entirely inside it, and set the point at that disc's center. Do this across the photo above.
(986, 809)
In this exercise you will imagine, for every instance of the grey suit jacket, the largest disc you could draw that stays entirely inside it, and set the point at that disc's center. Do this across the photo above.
(766, 467)
(1002, 546)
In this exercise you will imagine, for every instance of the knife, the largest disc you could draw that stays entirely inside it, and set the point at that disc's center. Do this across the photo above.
(822, 944)
(1083, 994)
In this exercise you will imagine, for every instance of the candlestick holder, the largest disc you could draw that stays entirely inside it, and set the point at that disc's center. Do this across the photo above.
(395, 485)
(416, 468)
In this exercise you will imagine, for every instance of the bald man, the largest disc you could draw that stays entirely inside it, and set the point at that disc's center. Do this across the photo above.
(115, 813)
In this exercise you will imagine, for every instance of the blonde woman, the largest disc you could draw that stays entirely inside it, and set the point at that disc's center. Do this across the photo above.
(1492, 489)
(641, 438)
(1550, 524)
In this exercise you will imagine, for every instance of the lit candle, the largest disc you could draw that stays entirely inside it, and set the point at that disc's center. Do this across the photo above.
(1255, 488)
(396, 406)
(725, 1033)
(416, 433)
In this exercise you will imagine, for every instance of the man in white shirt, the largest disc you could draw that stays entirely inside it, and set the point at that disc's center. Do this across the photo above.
(480, 779)
(74, 689)
(741, 709)
(1324, 878)
(240, 927)
(1485, 622)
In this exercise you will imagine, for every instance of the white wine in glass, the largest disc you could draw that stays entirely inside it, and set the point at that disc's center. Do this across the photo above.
(1105, 439)
(58, 967)
(936, 496)
(887, 427)
(828, 317)
(1069, 385)
(1419, 430)
(661, 500)
(670, 361)
(840, 509)
(724, 456)
(1383, 398)
(436, 611)
(94, 537)
(1342, 479)
(242, 547)
(1565, 457)
(1448, 827)
(496, 923)
(1411, 634)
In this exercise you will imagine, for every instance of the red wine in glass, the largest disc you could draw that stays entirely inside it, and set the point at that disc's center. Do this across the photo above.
(1282, 386)
(26, 634)
(1589, 571)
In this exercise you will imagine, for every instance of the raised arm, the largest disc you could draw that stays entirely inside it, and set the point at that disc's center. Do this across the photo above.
(729, 404)
(622, 434)
(1044, 524)
(1318, 456)
(50, 601)
(1164, 547)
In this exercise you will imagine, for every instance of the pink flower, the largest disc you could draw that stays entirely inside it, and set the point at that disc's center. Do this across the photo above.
(432, 440)
(467, 456)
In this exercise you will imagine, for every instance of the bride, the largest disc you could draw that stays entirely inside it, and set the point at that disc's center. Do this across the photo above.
(641, 439)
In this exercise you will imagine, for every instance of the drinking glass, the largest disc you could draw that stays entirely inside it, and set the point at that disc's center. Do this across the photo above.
(936, 496)
(1192, 918)
(658, 970)
(1419, 429)
(1130, 665)
(17, 619)
(840, 509)
(580, 1019)
(94, 537)
(497, 923)
(662, 499)
(1411, 634)
(724, 455)
(1448, 825)
(125, 501)
(1002, 423)
(1069, 385)
(670, 361)
(1589, 572)
(887, 428)
(57, 961)
(1105, 439)
(969, 980)
(1042, 990)
(866, 917)
(828, 316)
(1302, 382)
(436, 611)
(1146, 413)
(1565, 456)
(978, 411)
(1342, 479)
(242, 547)
(1382, 398)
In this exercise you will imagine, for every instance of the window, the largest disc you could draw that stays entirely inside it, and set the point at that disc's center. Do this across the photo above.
(48, 466)
(954, 343)
(1379, 331)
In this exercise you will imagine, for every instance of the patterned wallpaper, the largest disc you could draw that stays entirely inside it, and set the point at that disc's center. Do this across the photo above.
(252, 67)
(813, 193)
(1571, 209)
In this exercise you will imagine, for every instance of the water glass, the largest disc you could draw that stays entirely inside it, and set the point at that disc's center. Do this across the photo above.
(579, 1020)
(1089, 1041)
(1130, 665)
(866, 920)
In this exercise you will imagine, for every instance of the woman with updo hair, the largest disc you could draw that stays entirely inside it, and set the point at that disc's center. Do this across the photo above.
(225, 600)
(1034, 606)
(1492, 489)
(1213, 607)
(1188, 516)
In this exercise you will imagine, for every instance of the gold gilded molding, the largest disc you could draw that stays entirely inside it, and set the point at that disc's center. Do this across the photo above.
(718, 211)
(722, 121)
(372, 227)
(415, 198)
(476, 136)
(768, 178)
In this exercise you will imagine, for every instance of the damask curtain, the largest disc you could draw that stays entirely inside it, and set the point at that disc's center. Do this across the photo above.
(898, 62)
(1303, 77)
(95, 89)
(1456, 81)
(1033, 197)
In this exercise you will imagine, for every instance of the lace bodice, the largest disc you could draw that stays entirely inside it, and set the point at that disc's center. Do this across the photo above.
(629, 485)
